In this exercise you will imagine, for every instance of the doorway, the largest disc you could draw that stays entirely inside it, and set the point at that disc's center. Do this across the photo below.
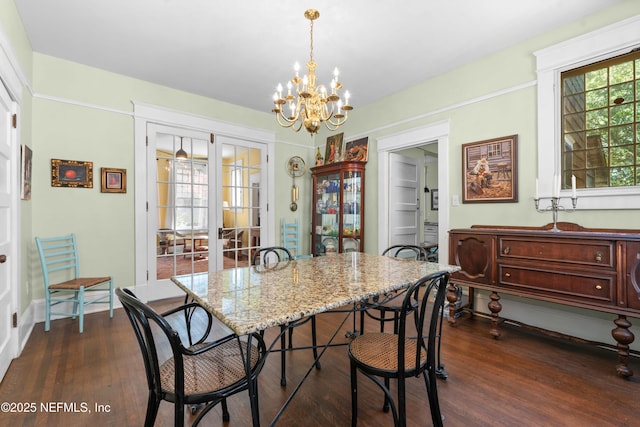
(196, 210)
(436, 133)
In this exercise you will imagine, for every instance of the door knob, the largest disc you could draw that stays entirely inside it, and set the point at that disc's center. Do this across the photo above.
(3, 258)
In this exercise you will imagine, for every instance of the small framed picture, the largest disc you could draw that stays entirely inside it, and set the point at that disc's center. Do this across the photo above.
(27, 162)
(333, 151)
(489, 170)
(356, 151)
(434, 200)
(113, 180)
(71, 173)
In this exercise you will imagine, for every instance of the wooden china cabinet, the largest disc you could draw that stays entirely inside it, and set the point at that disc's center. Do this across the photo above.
(338, 208)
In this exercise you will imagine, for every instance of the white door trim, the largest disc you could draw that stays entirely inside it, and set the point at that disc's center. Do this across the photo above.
(439, 132)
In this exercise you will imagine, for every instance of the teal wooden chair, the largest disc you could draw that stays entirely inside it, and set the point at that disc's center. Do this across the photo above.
(291, 238)
(63, 283)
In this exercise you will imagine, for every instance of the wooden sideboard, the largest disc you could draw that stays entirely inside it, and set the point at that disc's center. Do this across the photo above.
(597, 269)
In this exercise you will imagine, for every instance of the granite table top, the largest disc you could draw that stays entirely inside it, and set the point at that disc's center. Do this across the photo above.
(251, 299)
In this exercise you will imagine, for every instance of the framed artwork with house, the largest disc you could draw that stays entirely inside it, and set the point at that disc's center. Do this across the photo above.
(489, 170)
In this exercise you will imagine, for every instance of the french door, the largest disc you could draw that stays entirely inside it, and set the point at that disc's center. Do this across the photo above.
(204, 205)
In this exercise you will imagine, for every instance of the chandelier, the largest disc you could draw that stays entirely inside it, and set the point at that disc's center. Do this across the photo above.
(310, 104)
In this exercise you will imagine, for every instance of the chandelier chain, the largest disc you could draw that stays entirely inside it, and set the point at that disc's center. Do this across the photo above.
(311, 42)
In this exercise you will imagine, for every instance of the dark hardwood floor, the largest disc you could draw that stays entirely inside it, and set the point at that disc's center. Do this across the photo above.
(523, 379)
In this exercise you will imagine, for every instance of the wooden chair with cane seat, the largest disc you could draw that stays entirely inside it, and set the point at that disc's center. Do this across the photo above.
(409, 352)
(63, 283)
(271, 256)
(196, 371)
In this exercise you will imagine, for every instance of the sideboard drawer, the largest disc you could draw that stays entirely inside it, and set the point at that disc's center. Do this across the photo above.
(564, 284)
(595, 253)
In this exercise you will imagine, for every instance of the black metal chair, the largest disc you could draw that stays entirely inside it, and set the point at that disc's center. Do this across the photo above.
(196, 372)
(403, 355)
(378, 311)
(270, 257)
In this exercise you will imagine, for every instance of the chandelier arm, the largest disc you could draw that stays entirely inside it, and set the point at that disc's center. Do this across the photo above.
(337, 124)
(284, 121)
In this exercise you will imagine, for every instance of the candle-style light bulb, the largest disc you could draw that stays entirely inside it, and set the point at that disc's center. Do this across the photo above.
(279, 89)
(347, 95)
(296, 68)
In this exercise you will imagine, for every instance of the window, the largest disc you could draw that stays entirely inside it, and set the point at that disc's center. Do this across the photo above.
(596, 150)
(191, 195)
(600, 110)
(236, 184)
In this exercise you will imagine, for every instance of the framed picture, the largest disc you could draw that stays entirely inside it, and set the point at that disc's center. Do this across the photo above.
(434, 200)
(71, 173)
(356, 151)
(333, 151)
(113, 180)
(489, 170)
(26, 156)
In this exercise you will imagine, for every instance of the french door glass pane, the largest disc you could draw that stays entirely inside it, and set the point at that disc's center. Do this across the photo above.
(183, 204)
(241, 170)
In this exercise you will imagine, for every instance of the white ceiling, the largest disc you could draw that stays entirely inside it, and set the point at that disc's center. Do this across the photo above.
(237, 51)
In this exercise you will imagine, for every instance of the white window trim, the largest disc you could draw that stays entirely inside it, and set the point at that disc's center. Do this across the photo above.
(597, 45)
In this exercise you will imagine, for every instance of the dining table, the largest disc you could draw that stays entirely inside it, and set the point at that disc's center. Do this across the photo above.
(255, 298)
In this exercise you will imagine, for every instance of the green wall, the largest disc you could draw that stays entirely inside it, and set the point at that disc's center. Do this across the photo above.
(82, 113)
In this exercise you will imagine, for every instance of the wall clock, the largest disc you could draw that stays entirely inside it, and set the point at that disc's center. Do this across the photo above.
(296, 167)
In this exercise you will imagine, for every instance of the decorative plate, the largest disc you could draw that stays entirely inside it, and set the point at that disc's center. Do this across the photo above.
(330, 244)
(296, 167)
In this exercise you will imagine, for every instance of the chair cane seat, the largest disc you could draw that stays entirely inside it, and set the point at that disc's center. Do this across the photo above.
(380, 351)
(86, 282)
(215, 369)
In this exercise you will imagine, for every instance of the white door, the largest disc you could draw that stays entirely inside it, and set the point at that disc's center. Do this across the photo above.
(242, 176)
(8, 206)
(404, 200)
(179, 202)
(202, 214)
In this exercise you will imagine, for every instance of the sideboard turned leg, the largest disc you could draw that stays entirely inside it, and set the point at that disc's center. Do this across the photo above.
(624, 337)
(495, 307)
(452, 298)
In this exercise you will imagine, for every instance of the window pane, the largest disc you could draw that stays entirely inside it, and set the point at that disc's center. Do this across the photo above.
(622, 135)
(596, 79)
(573, 104)
(621, 72)
(622, 156)
(597, 99)
(573, 85)
(597, 118)
(621, 177)
(597, 158)
(574, 122)
(597, 138)
(621, 114)
(621, 93)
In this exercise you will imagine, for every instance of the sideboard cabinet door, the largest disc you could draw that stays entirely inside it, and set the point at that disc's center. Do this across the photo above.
(474, 253)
